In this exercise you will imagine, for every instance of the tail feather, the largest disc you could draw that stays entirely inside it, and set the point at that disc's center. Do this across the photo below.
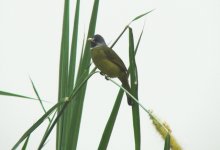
(125, 84)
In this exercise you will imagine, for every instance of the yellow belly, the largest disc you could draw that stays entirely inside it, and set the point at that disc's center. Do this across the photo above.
(104, 64)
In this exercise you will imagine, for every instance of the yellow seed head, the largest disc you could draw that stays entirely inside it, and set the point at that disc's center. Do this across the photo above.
(163, 129)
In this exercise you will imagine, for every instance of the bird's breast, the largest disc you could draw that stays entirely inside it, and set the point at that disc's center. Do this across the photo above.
(104, 64)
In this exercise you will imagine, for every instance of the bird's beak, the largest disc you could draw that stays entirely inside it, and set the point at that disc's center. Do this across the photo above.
(90, 39)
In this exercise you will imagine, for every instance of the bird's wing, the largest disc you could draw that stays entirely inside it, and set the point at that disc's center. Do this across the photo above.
(113, 57)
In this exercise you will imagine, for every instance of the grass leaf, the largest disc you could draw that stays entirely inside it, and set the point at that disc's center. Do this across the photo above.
(112, 118)
(167, 142)
(36, 124)
(127, 26)
(111, 121)
(63, 70)
(71, 76)
(52, 126)
(25, 143)
(140, 16)
(113, 44)
(15, 95)
(83, 68)
(75, 91)
(72, 65)
(38, 96)
(134, 91)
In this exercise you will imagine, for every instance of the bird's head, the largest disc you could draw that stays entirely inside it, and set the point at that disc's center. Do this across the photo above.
(97, 40)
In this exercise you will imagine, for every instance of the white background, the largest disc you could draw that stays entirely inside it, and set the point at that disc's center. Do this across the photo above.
(178, 63)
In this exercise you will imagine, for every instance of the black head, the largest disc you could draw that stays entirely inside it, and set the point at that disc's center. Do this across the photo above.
(97, 40)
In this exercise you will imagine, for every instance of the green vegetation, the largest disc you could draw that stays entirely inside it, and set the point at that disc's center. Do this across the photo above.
(67, 112)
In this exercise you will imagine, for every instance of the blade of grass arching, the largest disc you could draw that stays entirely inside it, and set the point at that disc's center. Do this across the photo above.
(25, 143)
(127, 26)
(111, 121)
(38, 96)
(70, 99)
(36, 124)
(134, 91)
(113, 44)
(152, 116)
(140, 16)
(78, 106)
(162, 128)
(63, 70)
(167, 142)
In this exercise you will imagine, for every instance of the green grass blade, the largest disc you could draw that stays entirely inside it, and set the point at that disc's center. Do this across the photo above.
(25, 143)
(127, 26)
(153, 117)
(134, 91)
(36, 124)
(49, 125)
(15, 95)
(111, 121)
(73, 122)
(38, 96)
(71, 75)
(72, 65)
(84, 67)
(69, 109)
(167, 142)
(52, 126)
(74, 92)
(133, 67)
(63, 70)
(92, 25)
(119, 37)
(140, 16)
(139, 40)
(82, 53)
(82, 83)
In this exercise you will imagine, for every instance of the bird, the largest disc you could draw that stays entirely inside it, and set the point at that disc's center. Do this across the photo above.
(109, 63)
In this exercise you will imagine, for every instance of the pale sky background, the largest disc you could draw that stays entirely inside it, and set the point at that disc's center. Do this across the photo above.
(178, 63)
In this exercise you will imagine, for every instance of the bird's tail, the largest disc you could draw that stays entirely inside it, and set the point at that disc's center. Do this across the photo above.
(125, 84)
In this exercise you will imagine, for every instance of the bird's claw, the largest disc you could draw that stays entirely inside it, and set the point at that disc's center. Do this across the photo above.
(107, 77)
(102, 73)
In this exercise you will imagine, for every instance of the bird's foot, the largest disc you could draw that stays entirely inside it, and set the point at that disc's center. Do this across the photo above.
(102, 73)
(107, 77)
